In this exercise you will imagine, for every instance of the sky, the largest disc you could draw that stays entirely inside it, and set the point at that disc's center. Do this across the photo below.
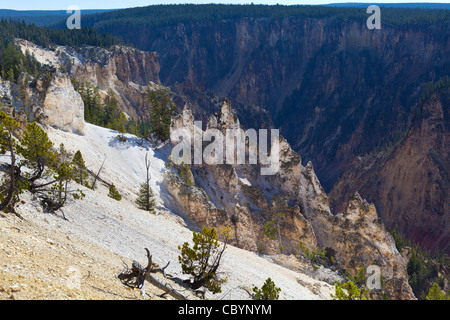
(119, 4)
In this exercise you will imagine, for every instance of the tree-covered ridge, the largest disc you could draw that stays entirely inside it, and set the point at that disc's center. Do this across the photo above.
(46, 37)
(42, 17)
(165, 15)
(13, 62)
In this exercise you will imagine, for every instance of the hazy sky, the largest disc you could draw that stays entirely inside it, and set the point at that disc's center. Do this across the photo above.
(116, 4)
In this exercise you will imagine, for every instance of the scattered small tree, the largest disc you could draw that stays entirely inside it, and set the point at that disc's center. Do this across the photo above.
(53, 167)
(60, 189)
(146, 199)
(113, 193)
(317, 256)
(350, 291)
(55, 193)
(269, 291)
(186, 174)
(36, 149)
(10, 187)
(435, 293)
(272, 229)
(203, 259)
(80, 173)
(160, 112)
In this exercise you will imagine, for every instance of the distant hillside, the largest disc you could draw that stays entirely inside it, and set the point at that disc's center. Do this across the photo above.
(45, 36)
(157, 15)
(42, 17)
(394, 5)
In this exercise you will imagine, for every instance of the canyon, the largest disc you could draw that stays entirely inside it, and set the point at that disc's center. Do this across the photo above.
(336, 90)
(239, 196)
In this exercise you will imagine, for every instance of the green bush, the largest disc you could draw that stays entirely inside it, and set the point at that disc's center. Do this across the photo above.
(350, 291)
(113, 193)
(269, 291)
(203, 259)
(435, 293)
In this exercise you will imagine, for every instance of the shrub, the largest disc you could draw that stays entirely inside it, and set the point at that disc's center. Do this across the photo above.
(349, 291)
(203, 259)
(113, 193)
(268, 291)
(435, 293)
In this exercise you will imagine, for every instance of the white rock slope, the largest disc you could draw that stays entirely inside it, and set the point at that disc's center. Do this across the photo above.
(123, 229)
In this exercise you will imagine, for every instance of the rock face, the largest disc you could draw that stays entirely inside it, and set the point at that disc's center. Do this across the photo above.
(415, 194)
(293, 198)
(62, 105)
(50, 99)
(125, 70)
(236, 195)
(336, 89)
(354, 234)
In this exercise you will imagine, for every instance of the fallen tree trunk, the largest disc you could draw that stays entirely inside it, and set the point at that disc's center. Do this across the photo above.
(138, 275)
(165, 287)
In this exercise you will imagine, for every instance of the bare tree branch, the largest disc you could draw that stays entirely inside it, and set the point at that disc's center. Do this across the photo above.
(138, 275)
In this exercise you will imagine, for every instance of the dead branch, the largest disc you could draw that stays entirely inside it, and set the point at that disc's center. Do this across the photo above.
(98, 175)
(137, 276)
(252, 296)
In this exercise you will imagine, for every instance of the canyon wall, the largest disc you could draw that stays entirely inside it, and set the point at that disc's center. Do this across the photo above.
(337, 90)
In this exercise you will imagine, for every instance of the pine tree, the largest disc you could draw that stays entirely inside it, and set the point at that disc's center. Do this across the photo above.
(350, 291)
(11, 188)
(269, 291)
(112, 111)
(203, 259)
(60, 189)
(435, 293)
(146, 199)
(81, 175)
(160, 112)
(36, 148)
(113, 193)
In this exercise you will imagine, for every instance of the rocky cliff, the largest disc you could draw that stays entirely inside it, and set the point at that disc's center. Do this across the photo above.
(50, 99)
(336, 89)
(409, 181)
(293, 198)
(125, 70)
(326, 83)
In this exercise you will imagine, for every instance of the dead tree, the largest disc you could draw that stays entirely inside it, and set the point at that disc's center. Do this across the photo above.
(96, 177)
(137, 276)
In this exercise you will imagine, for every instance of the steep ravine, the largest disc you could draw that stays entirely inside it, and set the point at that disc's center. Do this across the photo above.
(240, 196)
(336, 90)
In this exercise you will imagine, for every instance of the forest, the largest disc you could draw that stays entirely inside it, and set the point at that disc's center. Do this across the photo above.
(165, 15)
(47, 37)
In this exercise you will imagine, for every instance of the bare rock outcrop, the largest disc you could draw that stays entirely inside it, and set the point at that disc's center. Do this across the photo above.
(359, 239)
(50, 99)
(237, 195)
(126, 71)
(294, 201)
(62, 105)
